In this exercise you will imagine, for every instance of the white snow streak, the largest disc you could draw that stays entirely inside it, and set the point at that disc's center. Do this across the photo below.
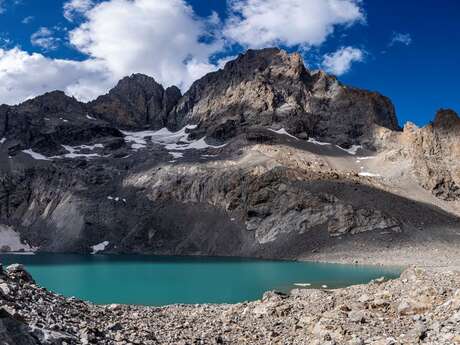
(368, 174)
(36, 155)
(172, 141)
(352, 150)
(317, 142)
(284, 132)
(99, 247)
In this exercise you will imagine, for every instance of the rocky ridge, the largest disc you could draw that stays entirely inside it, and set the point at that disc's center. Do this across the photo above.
(420, 307)
(262, 158)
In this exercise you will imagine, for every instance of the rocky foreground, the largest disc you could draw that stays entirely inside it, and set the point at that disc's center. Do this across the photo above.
(421, 307)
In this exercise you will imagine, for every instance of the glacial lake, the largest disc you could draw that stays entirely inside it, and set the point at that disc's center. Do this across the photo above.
(155, 280)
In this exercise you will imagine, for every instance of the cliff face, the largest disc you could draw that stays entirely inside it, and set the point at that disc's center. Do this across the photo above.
(272, 88)
(435, 151)
(261, 158)
(137, 101)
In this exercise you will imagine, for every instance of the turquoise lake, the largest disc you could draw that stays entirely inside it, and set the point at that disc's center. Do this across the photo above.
(153, 280)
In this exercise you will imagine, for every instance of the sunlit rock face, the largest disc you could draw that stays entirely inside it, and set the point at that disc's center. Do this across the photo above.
(270, 87)
(261, 158)
(435, 154)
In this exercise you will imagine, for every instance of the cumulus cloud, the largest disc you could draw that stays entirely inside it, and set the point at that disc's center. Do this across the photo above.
(75, 8)
(27, 20)
(261, 23)
(163, 39)
(44, 38)
(399, 37)
(340, 62)
(25, 75)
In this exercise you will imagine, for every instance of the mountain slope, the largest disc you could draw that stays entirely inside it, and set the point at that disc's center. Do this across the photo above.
(262, 158)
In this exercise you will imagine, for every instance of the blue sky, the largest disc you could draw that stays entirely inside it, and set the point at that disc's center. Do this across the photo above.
(407, 50)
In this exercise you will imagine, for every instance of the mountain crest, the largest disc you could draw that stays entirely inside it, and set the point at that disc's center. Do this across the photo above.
(136, 101)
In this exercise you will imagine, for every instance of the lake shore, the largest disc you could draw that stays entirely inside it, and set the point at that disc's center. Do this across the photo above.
(420, 307)
(435, 255)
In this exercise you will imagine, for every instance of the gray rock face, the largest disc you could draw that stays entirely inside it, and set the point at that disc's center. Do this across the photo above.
(435, 154)
(14, 332)
(137, 101)
(269, 87)
(230, 185)
(49, 121)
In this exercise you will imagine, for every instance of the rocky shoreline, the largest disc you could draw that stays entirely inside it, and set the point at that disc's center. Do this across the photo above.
(420, 307)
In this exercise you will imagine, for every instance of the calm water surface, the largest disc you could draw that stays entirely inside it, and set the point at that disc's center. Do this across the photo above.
(153, 280)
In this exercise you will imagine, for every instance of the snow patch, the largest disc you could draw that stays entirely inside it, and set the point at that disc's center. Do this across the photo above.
(2, 140)
(317, 142)
(73, 151)
(284, 132)
(172, 141)
(116, 198)
(99, 247)
(176, 154)
(10, 241)
(36, 155)
(302, 284)
(365, 158)
(352, 150)
(197, 145)
(368, 174)
(90, 117)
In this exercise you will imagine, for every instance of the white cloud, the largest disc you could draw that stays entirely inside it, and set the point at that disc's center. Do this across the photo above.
(161, 38)
(27, 20)
(261, 23)
(44, 39)
(340, 62)
(157, 38)
(2, 6)
(399, 37)
(25, 75)
(74, 8)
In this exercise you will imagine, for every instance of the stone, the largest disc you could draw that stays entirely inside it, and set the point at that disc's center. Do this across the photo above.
(412, 307)
(14, 332)
(357, 316)
(4, 289)
(19, 271)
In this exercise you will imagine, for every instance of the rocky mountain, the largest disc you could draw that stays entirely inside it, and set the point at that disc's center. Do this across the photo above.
(261, 158)
(269, 87)
(136, 102)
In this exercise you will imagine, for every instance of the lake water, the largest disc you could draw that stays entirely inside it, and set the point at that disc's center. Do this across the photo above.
(151, 280)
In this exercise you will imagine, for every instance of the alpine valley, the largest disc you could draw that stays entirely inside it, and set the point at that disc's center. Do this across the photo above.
(262, 159)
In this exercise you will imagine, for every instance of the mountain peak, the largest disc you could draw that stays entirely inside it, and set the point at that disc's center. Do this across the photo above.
(137, 83)
(272, 88)
(52, 102)
(268, 60)
(446, 118)
(136, 101)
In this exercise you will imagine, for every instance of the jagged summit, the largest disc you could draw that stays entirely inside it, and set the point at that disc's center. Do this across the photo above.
(272, 88)
(260, 88)
(447, 119)
(51, 102)
(137, 101)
